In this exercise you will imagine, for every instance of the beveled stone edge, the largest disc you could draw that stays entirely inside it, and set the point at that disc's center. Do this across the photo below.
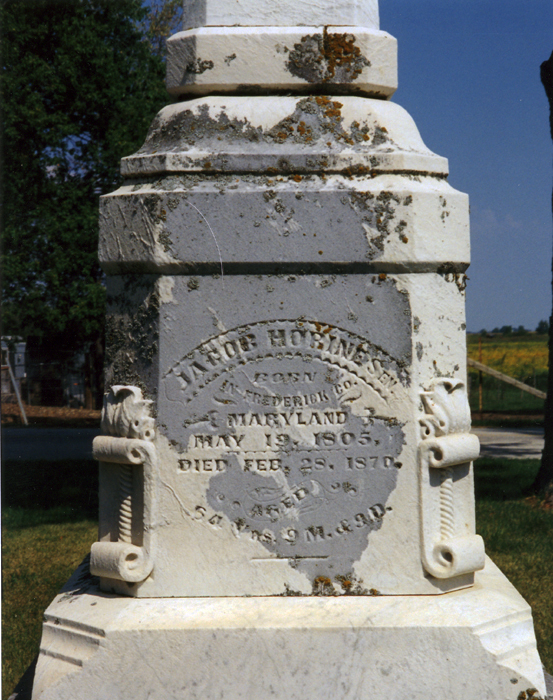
(220, 59)
(286, 163)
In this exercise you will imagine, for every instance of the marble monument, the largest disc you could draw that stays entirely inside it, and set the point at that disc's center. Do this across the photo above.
(286, 484)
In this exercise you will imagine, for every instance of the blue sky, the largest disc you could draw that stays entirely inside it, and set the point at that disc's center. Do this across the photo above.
(469, 76)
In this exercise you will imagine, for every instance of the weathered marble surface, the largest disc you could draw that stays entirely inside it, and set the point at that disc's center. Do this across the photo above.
(200, 13)
(287, 446)
(286, 488)
(286, 286)
(290, 59)
(474, 643)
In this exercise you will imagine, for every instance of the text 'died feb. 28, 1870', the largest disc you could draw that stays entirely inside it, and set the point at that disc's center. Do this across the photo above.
(289, 422)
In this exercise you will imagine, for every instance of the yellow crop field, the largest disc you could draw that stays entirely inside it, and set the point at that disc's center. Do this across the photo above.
(520, 357)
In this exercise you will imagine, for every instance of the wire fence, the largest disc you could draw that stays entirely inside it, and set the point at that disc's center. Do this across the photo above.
(498, 396)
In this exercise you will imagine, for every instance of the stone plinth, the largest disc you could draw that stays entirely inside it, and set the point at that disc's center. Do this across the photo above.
(290, 59)
(289, 46)
(474, 643)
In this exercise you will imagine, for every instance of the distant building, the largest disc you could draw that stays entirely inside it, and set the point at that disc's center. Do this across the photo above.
(41, 381)
(14, 353)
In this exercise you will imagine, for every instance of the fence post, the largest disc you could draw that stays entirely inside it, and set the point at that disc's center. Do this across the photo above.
(16, 389)
(480, 378)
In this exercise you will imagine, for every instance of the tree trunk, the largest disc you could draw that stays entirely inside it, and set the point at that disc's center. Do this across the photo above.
(544, 480)
(99, 370)
(94, 374)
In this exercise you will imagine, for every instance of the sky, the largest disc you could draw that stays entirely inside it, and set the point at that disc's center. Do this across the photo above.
(469, 74)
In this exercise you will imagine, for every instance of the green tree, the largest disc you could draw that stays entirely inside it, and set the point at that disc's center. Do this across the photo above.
(544, 479)
(80, 85)
(542, 328)
(164, 18)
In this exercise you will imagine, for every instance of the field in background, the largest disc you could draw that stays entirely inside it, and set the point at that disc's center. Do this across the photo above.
(41, 546)
(521, 357)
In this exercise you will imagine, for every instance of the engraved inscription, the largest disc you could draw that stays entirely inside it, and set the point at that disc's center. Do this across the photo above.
(278, 339)
(290, 423)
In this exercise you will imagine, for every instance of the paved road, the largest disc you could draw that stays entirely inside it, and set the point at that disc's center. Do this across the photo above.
(76, 443)
(51, 444)
(510, 443)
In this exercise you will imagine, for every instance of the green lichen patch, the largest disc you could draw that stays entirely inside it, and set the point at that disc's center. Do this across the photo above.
(327, 58)
(316, 121)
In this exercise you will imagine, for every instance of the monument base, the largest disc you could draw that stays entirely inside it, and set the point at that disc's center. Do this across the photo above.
(474, 643)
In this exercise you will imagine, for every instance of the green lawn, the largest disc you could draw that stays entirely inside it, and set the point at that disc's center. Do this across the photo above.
(37, 561)
(519, 538)
(41, 546)
(49, 521)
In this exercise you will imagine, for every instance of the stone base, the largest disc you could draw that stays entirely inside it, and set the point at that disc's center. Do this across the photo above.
(474, 643)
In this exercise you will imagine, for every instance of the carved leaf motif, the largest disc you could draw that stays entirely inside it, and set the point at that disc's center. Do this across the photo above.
(127, 414)
(447, 409)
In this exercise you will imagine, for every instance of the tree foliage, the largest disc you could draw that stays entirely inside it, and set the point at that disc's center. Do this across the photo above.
(80, 85)
(164, 18)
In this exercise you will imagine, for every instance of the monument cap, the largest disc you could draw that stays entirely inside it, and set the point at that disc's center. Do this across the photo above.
(230, 46)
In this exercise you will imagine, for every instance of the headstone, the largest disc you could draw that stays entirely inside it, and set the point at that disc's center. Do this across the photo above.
(286, 494)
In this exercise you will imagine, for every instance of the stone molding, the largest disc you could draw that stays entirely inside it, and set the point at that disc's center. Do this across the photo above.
(284, 135)
(126, 414)
(346, 643)
(448, 548)
(348, 59)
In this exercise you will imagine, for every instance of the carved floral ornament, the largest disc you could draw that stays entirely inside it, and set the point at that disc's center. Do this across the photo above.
(449, 546)
(446, 409)
(127, 414)
(128, 447)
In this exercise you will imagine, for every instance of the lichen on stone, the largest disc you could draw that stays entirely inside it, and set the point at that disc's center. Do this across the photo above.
(327, 58)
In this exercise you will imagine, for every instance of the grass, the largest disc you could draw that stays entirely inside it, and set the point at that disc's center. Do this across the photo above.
(43, 543)
(497, 396)
(519, 538)
(37, 561)
(49, 521)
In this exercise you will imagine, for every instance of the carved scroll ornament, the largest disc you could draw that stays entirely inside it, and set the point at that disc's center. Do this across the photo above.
(128, 447)
(449, 546)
